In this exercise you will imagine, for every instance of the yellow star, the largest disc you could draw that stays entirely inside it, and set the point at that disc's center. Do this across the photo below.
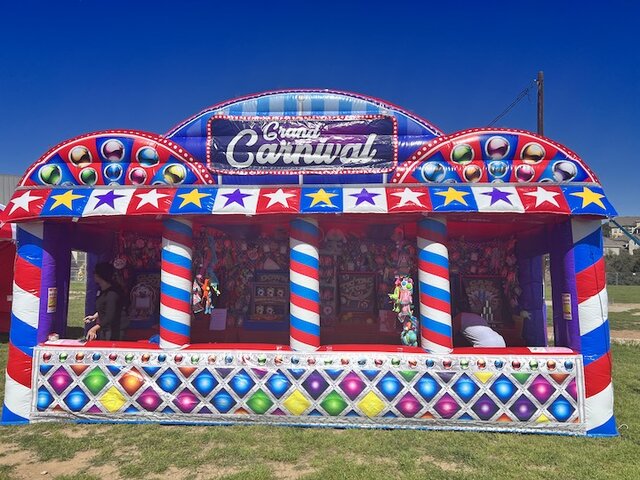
(588, 197)
(322, 197)
(194, 196)
(65, 199)
(453, 195)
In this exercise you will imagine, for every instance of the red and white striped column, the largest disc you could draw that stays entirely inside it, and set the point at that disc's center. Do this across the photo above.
(25, 314)
(593, 321)
(435, 290)
(304, 280)
(175, 283)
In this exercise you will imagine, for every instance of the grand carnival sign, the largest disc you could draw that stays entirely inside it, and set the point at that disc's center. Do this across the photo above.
(299, 145)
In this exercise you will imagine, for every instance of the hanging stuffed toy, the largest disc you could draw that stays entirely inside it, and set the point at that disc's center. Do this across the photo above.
(402, 299)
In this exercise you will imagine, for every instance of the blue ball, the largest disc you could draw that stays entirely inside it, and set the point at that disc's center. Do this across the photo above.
(168, 381)
(205, 382)
(44, 399)
(561, 409)
(241, 383)
(503, 388)
(427, 387)
(222, 401)
(76, 399)
(465, 388)
(278, 384)
(113, 171)
(389, 386)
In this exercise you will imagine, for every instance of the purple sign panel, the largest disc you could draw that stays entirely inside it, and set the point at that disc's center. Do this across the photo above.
(299, 145)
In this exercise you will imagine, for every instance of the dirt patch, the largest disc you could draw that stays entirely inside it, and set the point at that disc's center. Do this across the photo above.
(286, 471)
(623, 307)
(446, 466)
(26, 467)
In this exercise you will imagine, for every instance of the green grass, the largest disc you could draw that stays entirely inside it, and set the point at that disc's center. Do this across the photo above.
(260, 452)
(616, 293)
(77, 295)
(623, 293)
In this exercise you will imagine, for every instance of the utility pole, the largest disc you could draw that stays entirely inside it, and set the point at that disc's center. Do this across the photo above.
(540, 83)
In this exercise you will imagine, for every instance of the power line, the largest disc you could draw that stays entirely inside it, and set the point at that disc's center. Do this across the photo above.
(521, 95)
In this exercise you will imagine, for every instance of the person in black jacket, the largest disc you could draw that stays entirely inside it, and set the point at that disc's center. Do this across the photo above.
(105, 322)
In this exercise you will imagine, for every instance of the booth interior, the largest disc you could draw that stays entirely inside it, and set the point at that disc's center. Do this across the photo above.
(241, 275)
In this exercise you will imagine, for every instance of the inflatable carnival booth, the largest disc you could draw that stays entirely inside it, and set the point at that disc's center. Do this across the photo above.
(315, 258)
(7, 254)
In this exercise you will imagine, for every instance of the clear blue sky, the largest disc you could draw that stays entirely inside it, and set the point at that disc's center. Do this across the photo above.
(68, 67)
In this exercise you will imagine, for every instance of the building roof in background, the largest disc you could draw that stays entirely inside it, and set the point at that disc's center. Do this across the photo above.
(7, 186)
(627, 221)
(613, 243)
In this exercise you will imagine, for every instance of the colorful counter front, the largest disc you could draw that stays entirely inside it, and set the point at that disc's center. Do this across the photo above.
(524, 389)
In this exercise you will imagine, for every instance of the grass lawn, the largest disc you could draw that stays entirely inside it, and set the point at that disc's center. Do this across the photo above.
(623, 293)
(77, 294)
(616, 293)
(68, 451)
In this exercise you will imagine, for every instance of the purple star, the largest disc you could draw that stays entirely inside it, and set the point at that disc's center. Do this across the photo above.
(235, 197)
(497, 195)
(364, 196)
(108, 199)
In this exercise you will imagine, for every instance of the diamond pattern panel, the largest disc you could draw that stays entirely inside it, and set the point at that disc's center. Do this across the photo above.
(365, 389)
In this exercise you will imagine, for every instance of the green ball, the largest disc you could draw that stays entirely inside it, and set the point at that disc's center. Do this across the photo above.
(95, 380)
(462, 153)
(259, 402)
(88, 176)
(128, 357)
(334, 404)
(50, 174)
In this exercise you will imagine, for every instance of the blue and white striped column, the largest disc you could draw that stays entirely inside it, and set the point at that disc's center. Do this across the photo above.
(304, 278)
(176, 283)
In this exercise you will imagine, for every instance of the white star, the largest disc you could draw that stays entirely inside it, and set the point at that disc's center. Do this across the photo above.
(407, 196)
(543, 196)
(279, 197)
(150, 198)
(23, 202)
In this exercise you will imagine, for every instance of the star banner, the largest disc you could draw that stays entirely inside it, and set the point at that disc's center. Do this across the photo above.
(452, 199)
(162, 200)
(364, 200)
(321, 200)
(107, 201)
(65, 202)
(408, 199)
(497, 199)
(151, 200)
(25, 204)
(193, 200)
(278, 200)
(236, 200)
(547, 199)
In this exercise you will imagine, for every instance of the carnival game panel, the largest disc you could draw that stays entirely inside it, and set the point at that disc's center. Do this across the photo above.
(528, 393)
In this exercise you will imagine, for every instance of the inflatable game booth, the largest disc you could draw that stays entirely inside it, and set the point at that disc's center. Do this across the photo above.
(302, 258)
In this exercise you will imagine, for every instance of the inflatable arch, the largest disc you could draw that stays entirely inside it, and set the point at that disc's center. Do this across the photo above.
(315, 213)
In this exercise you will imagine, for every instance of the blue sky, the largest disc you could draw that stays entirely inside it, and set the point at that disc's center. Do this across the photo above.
(69, 67)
